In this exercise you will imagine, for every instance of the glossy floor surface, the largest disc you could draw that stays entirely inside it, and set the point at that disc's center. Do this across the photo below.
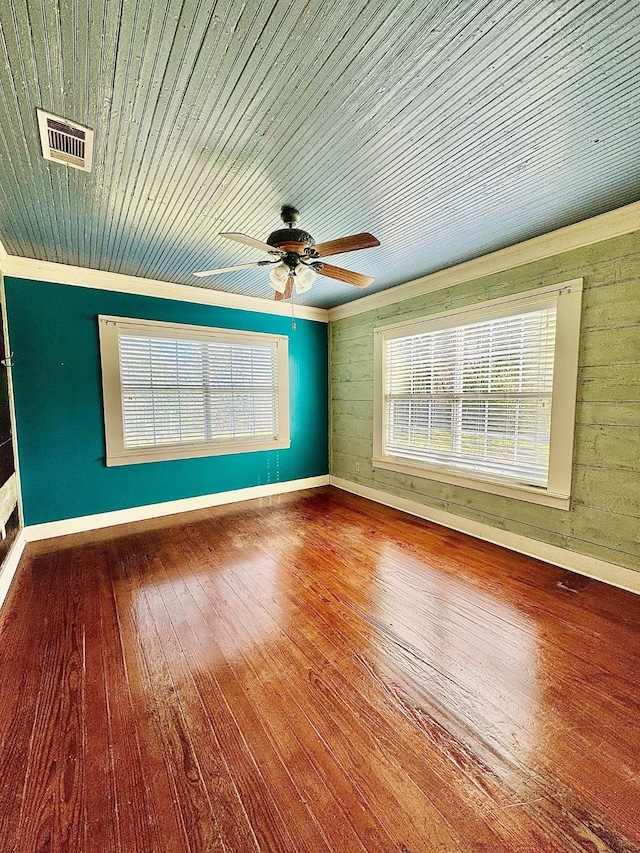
(314, 673)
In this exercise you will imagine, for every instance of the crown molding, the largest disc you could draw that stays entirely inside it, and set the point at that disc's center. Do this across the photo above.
(606, 226)
(615, 223)
(102, 280)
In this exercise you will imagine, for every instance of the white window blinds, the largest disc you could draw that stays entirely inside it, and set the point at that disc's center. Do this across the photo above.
(176, 391)
(191, 391)
(474, 398)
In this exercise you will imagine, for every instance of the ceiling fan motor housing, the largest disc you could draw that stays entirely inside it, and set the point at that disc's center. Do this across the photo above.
(283, 238)
(290, 239)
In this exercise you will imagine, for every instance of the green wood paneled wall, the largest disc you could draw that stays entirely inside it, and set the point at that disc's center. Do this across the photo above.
(603, 521)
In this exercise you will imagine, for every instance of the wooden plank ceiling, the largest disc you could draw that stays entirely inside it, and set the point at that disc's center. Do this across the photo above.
(448, 129)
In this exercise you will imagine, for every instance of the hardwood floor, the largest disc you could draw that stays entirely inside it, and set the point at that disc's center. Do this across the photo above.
(308, 673)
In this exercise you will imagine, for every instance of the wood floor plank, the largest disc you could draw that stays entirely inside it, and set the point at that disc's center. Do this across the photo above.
(305, 834)
(22, 661)
(102, 814)
(189, 797)
(314, 673)
(343, 689)
(322, 781)
(52, 814)
(144, 814)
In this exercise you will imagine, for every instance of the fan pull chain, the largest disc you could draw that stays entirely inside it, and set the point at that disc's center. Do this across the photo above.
(293, 313)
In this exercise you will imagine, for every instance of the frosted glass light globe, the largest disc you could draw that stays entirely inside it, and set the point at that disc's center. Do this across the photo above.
(305, 277)
(278, 277)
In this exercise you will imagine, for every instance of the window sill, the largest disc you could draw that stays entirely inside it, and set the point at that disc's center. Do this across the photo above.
(519, 492)
(191, 451)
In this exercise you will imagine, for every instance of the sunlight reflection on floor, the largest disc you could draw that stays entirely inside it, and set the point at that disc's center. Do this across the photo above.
(218, 595)
(447, 644)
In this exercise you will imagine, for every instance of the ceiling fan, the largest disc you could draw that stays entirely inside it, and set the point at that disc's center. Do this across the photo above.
(295, 257)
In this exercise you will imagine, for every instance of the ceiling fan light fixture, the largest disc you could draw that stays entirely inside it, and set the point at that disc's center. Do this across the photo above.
(295, 258)
(305, 276)
(278, 277)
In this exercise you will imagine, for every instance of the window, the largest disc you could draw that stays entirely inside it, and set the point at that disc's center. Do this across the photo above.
(485, 396)
(172, 391)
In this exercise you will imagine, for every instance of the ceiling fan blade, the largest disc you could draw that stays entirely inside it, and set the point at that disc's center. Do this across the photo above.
(349, 277)
(251, 241)
(229, 269)
(288, 290)
(346, 244)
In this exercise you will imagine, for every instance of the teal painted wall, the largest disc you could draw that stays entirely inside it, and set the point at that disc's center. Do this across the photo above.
(604, 519)
(53, 332)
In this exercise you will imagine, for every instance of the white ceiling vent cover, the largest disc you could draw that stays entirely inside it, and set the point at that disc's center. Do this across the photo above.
(65, 141)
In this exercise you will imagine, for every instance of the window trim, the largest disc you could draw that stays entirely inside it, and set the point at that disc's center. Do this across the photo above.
(557, 493)
(115, 451)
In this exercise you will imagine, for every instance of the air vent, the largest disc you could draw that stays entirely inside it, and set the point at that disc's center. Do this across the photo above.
(65, 141)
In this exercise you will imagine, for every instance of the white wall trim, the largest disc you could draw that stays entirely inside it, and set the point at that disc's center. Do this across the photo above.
(102, 280)
(571, 560)
(624, 220)
(3, 256)
(8, 571)
(49, 529)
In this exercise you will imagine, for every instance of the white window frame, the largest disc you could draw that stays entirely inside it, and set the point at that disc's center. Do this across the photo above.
(116, 453)
(557, 493)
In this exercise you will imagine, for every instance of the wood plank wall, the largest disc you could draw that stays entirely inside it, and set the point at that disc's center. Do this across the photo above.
(605, 507)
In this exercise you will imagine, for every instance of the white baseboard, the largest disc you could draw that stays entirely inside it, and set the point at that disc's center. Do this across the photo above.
(49, 529)
(11, 564)
(581, 564)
